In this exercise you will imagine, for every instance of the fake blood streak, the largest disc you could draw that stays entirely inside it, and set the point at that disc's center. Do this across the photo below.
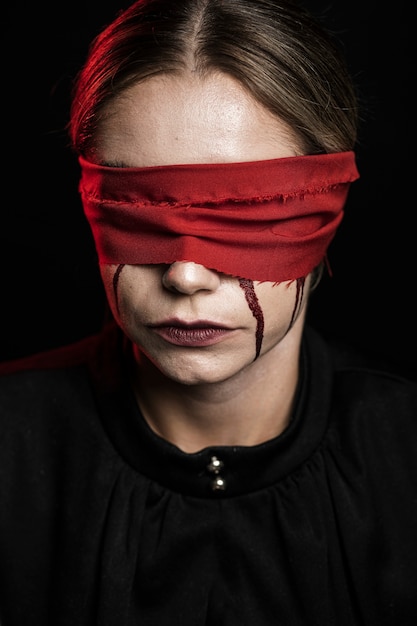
(298, 299)
(116, 277)
(251, 298)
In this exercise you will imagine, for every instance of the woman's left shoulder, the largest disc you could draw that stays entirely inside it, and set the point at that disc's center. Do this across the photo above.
(377, 390)
(370, 399)
(375, 412)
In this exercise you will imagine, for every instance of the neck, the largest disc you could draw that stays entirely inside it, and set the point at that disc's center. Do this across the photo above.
(247, 409)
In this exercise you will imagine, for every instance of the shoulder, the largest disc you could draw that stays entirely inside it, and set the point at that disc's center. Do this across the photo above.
(31, 383)
(49, 360)
(57, 386)
(364, 388)
(376, 408)
(373, 424)
(51, 419)
(357, 379)
(30, 391)
(364, 402)
(42, 407)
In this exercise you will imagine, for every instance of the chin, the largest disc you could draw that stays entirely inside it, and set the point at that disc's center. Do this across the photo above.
(192, 374)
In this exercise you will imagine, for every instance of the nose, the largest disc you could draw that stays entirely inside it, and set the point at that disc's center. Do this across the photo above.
(188, 277)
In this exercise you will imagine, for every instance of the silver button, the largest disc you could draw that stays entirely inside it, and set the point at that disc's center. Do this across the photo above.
(218, 484)
(215, 467)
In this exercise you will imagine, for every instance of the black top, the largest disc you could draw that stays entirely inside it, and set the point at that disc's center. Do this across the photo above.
(104, 523)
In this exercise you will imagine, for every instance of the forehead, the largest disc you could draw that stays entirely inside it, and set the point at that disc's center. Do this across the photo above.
(176, 119)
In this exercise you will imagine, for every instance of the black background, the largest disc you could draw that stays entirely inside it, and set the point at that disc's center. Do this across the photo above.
(51, 290)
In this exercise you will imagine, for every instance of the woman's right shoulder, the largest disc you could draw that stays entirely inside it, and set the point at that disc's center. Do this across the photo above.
(49, 360)
(49, 381)
(35, 391)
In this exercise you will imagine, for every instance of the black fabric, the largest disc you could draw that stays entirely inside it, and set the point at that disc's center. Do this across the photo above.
(104, 523)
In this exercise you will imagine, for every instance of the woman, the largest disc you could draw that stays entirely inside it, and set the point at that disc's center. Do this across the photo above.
(208, 459)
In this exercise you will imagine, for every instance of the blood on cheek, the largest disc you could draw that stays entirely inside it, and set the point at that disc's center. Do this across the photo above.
(253, 303)
(251, 298)
(116, 277)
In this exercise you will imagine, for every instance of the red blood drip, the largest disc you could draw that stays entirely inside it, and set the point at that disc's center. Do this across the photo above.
(252, 300)
(116, 282)
(298, 299)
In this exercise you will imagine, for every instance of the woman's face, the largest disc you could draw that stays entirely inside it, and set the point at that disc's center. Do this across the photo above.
(194, 324)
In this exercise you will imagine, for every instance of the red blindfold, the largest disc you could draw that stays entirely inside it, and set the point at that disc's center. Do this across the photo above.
(267, 220)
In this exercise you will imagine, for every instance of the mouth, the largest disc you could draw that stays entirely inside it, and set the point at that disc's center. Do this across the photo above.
(197, 334)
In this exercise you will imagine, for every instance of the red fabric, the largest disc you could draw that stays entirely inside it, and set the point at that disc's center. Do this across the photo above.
(267, 220)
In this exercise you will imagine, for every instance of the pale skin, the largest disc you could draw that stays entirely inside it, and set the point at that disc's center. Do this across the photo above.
(199, 393)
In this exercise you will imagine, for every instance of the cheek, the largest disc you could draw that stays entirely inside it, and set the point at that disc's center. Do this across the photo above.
(118, 283)
(110, 275)
(281, 304)
(130, 289)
